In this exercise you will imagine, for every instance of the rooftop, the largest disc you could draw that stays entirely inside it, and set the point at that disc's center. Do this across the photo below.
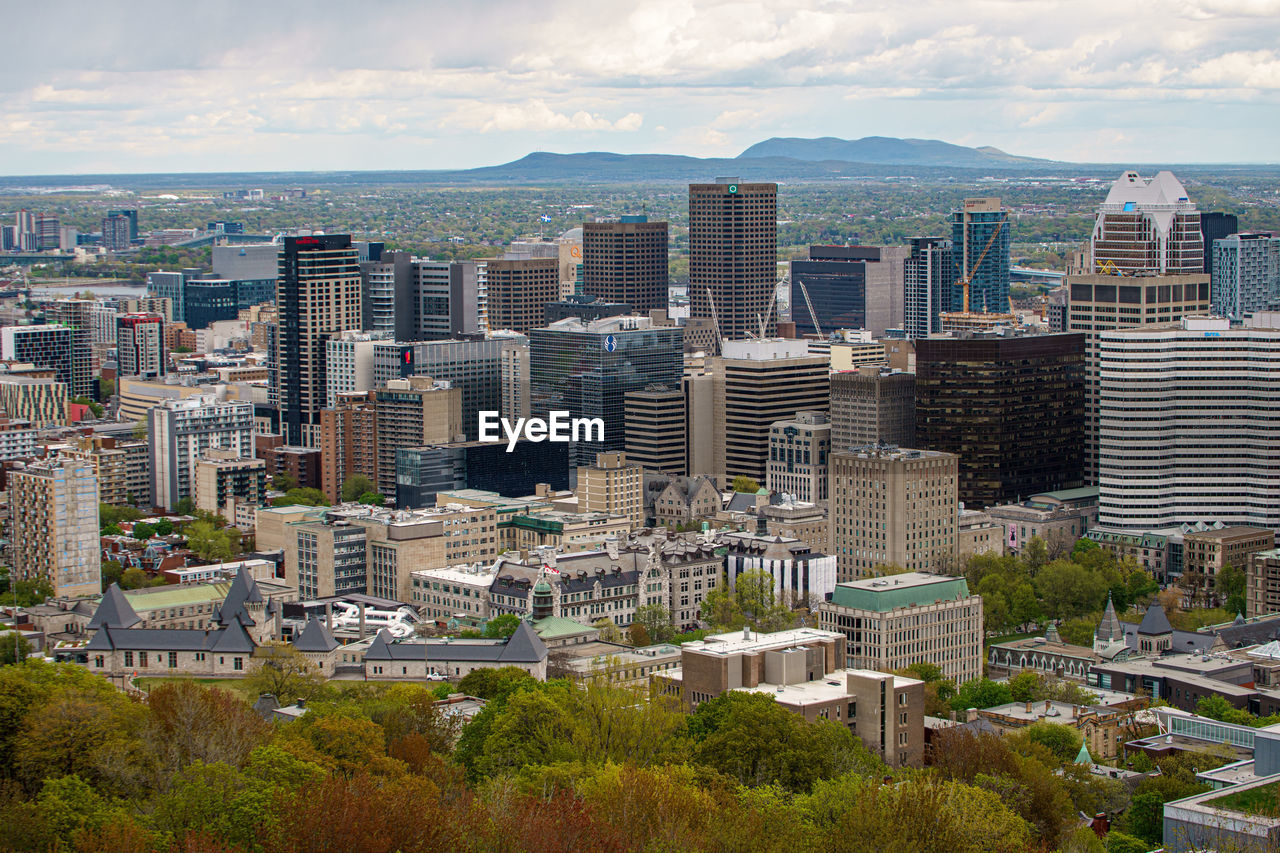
(737, 642)
(910, 589)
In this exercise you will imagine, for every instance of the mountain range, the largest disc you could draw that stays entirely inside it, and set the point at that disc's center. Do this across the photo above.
(889, 151)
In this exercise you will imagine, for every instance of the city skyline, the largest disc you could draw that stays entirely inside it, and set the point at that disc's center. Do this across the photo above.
(433, 87)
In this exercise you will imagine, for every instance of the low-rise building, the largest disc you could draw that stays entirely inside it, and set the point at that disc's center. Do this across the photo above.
(684, 500)
(801, 576)
(391, 660)
(1105, 728)
(978, 533)
(1056, 518)
(1206, 553)
(565, 531)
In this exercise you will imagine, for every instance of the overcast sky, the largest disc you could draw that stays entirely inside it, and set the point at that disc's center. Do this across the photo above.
(270, 85)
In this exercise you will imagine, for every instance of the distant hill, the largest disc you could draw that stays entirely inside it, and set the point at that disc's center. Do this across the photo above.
(886, 150)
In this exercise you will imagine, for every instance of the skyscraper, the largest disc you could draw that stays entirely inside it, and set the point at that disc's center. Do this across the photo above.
(848, 287)
(928, 280)
(980, 254)
(387, 295)
(733, 256)
(1147, 226)
(131, 214)
(448, 300)
(517, 292)
(626, 261)
(1246, 274)
(140, 345)
(872, 405)
(77, 315)
(317, 295)
(48, 346)
(474, 367)
(54, 525)
(1214, 226)
(115, 233)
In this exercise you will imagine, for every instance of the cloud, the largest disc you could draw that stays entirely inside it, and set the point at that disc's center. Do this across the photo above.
(534, 115)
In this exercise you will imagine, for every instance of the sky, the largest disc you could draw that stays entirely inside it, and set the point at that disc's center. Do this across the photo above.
(276, 85)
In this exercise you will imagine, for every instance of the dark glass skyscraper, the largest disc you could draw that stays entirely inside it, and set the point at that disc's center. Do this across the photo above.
(980, 252)
(1215, 226)
(848, 287)
(424, 472)
(588, 368)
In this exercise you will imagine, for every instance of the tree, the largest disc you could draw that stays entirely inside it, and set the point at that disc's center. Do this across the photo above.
(609, 631)
(302, 497)
(284, 672)
(656, 622)
(14, 648)
(495, 685)
(1069, 589)
(284, 482)
(1035, 554)
(164, 527)
(743, 483)
(106, 388)
(95, 407)
(184, 506)
(372, 499)
(355, 486)
(143, 531)
(502, 626)
(1231, 582)
(981, 693)
(210, 543)
(141, 430)
(134, 578)
(108, 514)
(1062, 741)
(1024, 686)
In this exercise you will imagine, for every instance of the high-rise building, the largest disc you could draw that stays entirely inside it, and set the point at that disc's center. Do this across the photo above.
(53, 508)
(474, 367)
(25, 231)
(872, 405)
(317, 296)
(980, 255)
(172, 286)
(892, 507)
(449, 300)
(229, 485)
(1215, 226)
(115, 233)
(928, 280)
(733, 256)
(349, 361)
(514, 364)
(655, 428)
(77, 315)
(1011, 407)
(1187, 416)
(247, 262)
(848, 287)
(131, 214)
(207, 301)
(410, 413)
(348, 441)
(798, 450)
(110, 466)
(517, 291)
(1246, 274)
(587, 369)
(50, 346)
(613, 485)
(422, 473)
(1147, 226)
(183, 432)
(140, 345)
(42, 400)
(754, 385)
(387, 295)
(626, 261)
(48, 232)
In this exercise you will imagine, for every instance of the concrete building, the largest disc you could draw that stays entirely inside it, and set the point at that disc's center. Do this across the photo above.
(614, 486)
(386, 285)
(230, 485)
(1056, 518)
(756, 383)
(473, 367)
(1206, 553)
(17, 439)
(1187, 412)
(928, 286)
(892, 507)
(449, 300)
(410, 413)
(803, 521)
(626, 261)
(655, 429)
(48, 346)
(40, 400)
(184, 431)
(513, 363)
(140, 347)
(798, 450)
(733, 256)
(801, 576)
(1246, 274)
(891, 622)
(804, 671)
(1012, 408)
(1262, 583)
(977, 533)
(848, 287)
(518, 290)
(872, 405)
(53, 523)
(111, 467)
(852, 349)
(349, 356)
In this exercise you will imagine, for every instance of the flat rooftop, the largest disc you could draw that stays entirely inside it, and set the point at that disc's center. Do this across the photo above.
(734, 642)
(910, 589)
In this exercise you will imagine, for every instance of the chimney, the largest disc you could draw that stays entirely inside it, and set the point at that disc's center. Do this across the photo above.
(971, 715)
(362, 620)
(746, 632)
(1028, 706)
(1048, 705)
(953, 715)
(328, 615)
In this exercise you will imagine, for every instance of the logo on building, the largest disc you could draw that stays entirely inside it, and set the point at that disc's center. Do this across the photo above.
(610, 343)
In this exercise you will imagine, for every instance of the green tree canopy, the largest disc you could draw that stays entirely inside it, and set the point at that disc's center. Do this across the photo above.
(355, 486)
(743, 483)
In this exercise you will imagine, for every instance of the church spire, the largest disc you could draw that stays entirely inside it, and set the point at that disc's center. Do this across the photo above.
(1109, 629)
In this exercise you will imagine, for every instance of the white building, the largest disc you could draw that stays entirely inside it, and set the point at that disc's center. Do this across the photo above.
(799, 573)
(1188, 415)
(349, 359)
(1147, 225)
(184, 431)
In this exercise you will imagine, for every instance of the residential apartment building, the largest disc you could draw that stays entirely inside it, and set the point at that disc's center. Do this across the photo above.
(40, 400)
(798, 450)
(892, 506)
(350, 357)
(449, 299)
(184, 431)
(410, 413)
(1246, 274)
(1262, 584)
(891, 622)
(230, 485)
(980, 240)
(872, 405)
(140, 347)
(49, 346)
(929, 285)
(77, 315)
(53, 524)
(1205, 553)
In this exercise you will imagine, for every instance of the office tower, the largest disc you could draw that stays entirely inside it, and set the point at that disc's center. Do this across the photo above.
(131, 214)
(1215, 226)
(928, 278)
(613, 485)
(77, 315)
(473, 367)
(386, 286)
(1011, 407)
(980, 235)
(25, 231)
(1187, 416)
(585, 308)
(655, 428)
(754, 384)
(44, 346)
(349, 359)
(587, 369)
(206, 301)
(228, 485)
(514, 365)
(848, 287)
(626, 261)
(140, 345)
(53, 507)
(171, 286)
(422, 473)
(68, 238)
(733, 256)
(517, 291)
(1246, 274)
(1147, 226)
(892, 507)
(183, 432)
(115, 233)
(410, 413)
(872, 405)
(798, 449)
(42, 400)
(317, 296)
(324, 559)
(945, 619)
(48, 232)
(449, 300)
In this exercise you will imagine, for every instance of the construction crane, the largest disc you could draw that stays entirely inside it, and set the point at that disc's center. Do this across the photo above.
(807, 301)
(715, 322)
(974, 270)
(1108, 268)
(768, 315)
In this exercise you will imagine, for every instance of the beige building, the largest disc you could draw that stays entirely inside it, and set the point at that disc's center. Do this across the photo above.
(891, 506)
(798, 449)
(795, 520)
(1262, 589)
(410, 413)
(978, 533)
(873, 405)
(399, 542)
(892, 622)
(566, 531)
(856, 348)
(227, 483)
(685, 499)
(612, 486)
(518, 291)
(655, 429)
(804, 670)
(1206, 553)
(755, 384)
(110, 466)
(41, 400)
(53, 511)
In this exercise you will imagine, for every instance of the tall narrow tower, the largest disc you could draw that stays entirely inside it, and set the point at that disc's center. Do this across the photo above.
(733, 256)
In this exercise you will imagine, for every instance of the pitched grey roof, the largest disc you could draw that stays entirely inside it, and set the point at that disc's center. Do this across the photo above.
(114, 611)
(243, 591)
(742, 502)
(523, 646)
(1154, 622)
(1109, 629)
(232, 640)
(150, 640)
(315, 638)
(383, 649)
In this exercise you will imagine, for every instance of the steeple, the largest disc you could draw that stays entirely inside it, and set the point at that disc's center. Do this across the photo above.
(1109, 629)
(114, 611)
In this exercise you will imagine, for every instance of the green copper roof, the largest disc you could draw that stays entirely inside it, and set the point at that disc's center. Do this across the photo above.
(912, 589)
(178, 595)
(1083, 756)
(555, 627)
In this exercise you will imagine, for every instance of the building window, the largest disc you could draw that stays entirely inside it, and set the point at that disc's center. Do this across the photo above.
(238, 663)
(173, 660)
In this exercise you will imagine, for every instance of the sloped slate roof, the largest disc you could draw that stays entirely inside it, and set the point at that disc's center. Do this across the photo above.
(315, 638)
(114, 611)
(1155, 622)
(232, 640)
(243, 591)
(523, 646)
(149, 640)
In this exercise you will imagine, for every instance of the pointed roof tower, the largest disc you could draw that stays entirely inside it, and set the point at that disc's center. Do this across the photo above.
(114, 611)
(1154, 622)
(1109, 629)
(243, 591)
(523, 646)
(315, 638)
(1083, 756)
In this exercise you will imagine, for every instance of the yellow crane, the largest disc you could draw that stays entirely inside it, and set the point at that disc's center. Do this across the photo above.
(974, 269)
